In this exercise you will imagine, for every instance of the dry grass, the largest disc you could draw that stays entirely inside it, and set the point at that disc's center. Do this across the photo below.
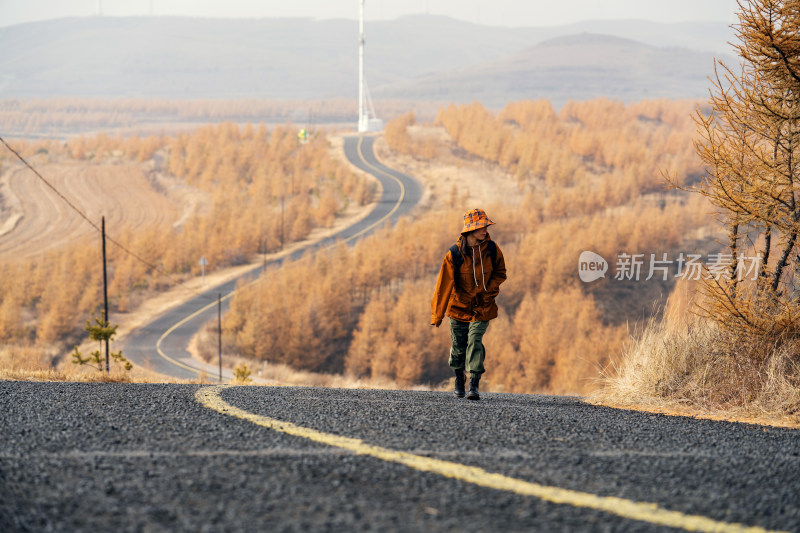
(37, 363)
(115, 376)
(204, 348)
(262, 375)
(33, 363)
(691, 366)
(86, 375)
(287, 376)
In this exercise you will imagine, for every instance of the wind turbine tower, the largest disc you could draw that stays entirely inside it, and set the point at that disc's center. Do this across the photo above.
(364, 122)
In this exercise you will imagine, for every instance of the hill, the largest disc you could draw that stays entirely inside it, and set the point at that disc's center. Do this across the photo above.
(575, 67)
(175, 57)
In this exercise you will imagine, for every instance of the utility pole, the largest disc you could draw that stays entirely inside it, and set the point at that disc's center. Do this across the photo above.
(105, 285)
(281, 222)
(219, 333)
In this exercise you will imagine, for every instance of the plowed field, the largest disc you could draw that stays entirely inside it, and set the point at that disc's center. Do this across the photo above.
(33, 219)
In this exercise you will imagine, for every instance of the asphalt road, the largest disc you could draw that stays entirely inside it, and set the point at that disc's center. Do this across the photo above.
(160, 457)
(162, 344)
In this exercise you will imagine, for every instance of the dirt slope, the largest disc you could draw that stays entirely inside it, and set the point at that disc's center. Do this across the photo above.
(33, 219)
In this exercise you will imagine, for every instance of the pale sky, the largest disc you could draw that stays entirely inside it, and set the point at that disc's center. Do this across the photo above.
(487, 12)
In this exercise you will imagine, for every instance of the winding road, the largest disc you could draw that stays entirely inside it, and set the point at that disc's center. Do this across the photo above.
(162, 344)
(88, 457)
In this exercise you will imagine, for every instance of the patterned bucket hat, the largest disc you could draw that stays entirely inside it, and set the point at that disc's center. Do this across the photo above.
(475, 219)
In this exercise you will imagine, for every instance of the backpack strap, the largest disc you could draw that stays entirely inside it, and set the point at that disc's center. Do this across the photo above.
(458, 260)
(455, 253)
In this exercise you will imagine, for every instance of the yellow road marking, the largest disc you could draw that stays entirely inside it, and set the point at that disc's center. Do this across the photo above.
(396, 205)
(186, 319)
(179, 324)
(211, 398)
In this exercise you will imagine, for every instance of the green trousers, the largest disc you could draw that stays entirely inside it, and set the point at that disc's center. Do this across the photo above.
(466, 349)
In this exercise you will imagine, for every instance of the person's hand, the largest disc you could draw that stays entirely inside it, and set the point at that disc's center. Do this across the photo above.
(437, 323)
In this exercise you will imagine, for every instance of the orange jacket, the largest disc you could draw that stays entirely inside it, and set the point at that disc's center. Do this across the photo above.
(470, 295)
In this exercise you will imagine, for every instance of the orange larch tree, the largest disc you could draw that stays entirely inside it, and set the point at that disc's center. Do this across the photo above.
(750, 145)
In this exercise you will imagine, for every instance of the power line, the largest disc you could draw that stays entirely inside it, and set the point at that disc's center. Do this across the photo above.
(94, 225)
(74, 208)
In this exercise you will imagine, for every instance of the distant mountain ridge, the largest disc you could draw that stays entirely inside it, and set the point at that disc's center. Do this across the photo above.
(575, 67)
(415, 57)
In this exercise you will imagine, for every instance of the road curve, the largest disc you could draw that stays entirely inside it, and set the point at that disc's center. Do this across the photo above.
(165, 457)
(162, 344)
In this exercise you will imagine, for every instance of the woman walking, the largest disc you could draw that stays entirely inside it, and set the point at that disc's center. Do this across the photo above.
(468, 283)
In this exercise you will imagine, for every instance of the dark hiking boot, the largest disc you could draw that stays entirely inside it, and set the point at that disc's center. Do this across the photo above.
(473, 389)
(461, 379)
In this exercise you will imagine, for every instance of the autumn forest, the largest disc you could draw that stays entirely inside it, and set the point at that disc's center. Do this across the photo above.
(590, 176)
